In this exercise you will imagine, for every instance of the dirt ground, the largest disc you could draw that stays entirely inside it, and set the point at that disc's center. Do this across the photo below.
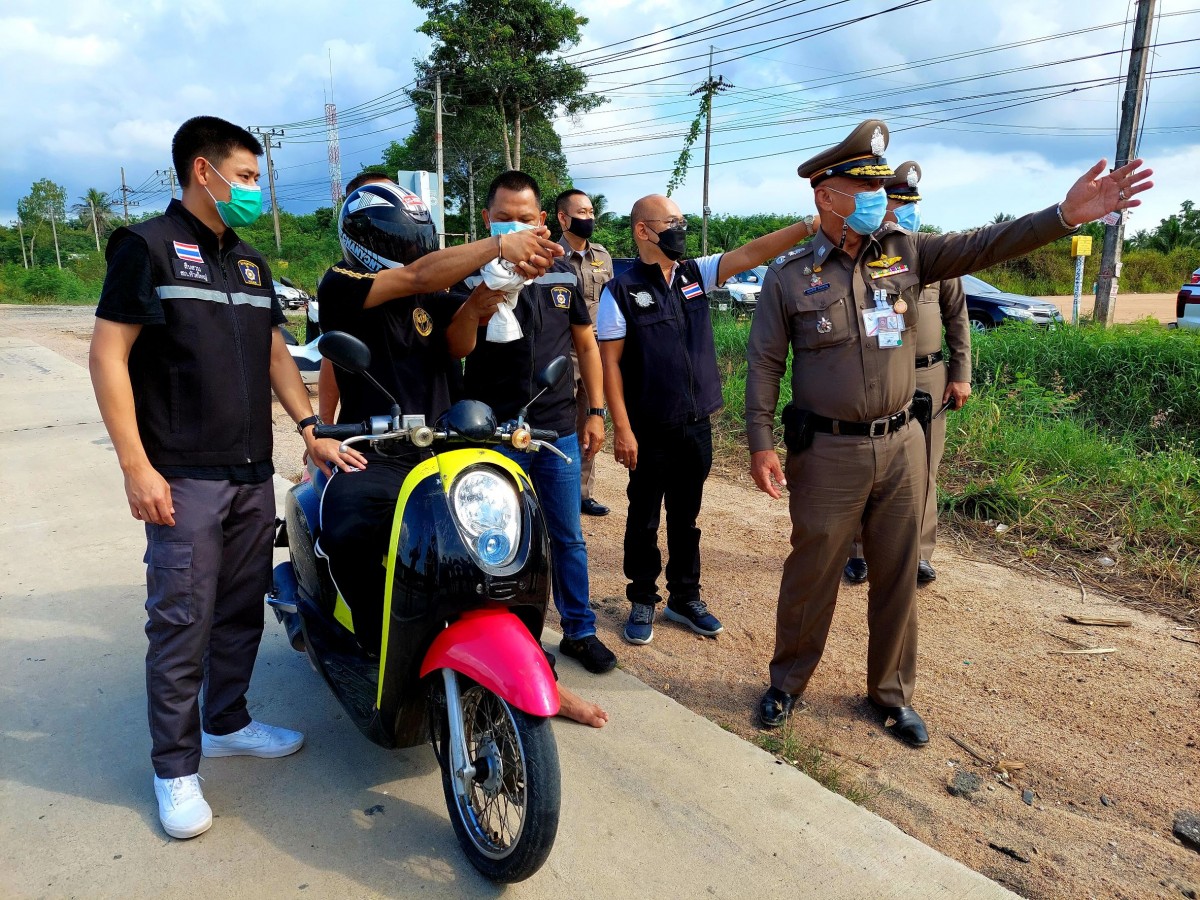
(1130, 307)
(1107, 743)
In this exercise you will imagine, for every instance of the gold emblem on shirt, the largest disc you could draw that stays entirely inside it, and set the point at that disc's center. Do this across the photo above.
(884, 262)
(423, 323)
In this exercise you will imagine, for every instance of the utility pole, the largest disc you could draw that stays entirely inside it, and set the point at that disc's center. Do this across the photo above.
(169, 172)
(711, 86)
(95, 227)
(268, 145)
(125, 195)
(21, 237)
(1131, 110)
(438, 112)
(54, 231)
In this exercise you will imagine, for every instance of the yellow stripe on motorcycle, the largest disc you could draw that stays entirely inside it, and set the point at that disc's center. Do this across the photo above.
(342, 613)
(448, 465)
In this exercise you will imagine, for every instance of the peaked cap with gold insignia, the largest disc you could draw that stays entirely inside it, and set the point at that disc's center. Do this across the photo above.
(903, 185)
(858, 156)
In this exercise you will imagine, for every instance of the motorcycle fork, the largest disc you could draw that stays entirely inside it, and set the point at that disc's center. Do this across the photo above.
(462, 770)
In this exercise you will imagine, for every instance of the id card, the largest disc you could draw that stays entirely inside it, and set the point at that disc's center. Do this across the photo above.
(885, 324)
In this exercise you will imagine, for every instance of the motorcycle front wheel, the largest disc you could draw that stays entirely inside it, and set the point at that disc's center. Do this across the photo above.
(506, 819)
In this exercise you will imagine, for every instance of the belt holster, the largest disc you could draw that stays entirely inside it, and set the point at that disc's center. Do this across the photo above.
(797, 428)
(922, 408)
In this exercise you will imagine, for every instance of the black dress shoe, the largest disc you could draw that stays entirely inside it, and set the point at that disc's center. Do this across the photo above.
(590, 507)
(856, 570)
(774, 707)
(925, 572)
(591, 653)
(907, 723)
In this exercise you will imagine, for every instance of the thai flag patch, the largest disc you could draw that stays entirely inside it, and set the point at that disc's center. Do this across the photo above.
(188, 252)
(691, 291)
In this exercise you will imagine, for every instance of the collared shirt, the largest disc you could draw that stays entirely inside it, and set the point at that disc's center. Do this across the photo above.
(593, 267)
(945, 304)
(812, 302)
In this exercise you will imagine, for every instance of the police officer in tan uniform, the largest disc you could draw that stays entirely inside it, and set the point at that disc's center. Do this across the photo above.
(847, 306)
(593, 267)
(942, 304)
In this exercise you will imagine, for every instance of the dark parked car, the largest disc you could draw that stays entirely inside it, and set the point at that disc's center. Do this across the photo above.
(1187, 304)
(988, 307)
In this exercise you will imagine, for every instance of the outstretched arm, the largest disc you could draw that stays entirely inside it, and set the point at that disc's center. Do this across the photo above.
(754, 253)
(532, 251)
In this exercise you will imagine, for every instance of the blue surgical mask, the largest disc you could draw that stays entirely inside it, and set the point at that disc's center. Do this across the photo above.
(508, 227)
(869, 209)
(908, 217)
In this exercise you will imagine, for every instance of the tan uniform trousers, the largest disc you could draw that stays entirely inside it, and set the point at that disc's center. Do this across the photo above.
(933, 380)
(834, 485)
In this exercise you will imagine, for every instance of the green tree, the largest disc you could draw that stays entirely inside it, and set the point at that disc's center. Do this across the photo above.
(472, 157)
(45, 203)
(1176, 231)
(95, 212)
(1001, 217)
(501, 55)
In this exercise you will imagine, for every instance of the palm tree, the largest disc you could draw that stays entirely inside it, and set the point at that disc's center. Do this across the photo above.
(95, 211)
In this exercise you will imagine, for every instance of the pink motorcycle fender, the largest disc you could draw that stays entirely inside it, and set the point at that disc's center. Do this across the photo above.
(492, 647)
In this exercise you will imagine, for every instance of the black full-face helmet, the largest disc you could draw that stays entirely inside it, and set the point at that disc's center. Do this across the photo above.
(384, 226)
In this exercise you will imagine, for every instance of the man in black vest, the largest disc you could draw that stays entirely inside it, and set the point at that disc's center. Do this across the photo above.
(662, 384)
(184, 356)
(508, 334)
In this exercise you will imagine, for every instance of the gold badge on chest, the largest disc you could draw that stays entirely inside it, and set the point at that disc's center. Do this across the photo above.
(422, 322)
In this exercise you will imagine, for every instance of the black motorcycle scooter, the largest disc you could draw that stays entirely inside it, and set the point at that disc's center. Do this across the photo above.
(467, 586)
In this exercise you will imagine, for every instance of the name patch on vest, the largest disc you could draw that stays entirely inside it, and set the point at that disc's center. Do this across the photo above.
(249, 273)
(191, 271)
(561, 297)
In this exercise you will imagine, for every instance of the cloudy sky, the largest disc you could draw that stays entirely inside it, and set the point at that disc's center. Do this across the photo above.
(1004, 102)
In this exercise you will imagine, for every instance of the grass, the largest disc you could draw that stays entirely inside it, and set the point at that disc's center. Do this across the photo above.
(787, 745)
(1083, 441)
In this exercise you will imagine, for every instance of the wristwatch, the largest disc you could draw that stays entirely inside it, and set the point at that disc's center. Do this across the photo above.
(305, 422)
(808, 225)
(597, 411)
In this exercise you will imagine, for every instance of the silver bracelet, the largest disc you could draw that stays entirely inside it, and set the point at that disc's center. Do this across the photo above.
(1063, 222)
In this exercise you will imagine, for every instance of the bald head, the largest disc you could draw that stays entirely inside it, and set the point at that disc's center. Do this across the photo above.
(649, 216)
(653, 206)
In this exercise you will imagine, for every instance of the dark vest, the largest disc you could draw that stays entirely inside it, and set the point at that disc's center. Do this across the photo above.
(669, 363)
(202, 381)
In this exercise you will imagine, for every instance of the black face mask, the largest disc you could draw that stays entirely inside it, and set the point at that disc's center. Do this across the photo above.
(672, 242)
(582, 227)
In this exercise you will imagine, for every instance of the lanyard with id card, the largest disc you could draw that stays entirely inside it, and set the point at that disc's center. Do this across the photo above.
(883, 322)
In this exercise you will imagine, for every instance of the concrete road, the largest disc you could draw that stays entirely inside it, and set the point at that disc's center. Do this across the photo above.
(660, 803)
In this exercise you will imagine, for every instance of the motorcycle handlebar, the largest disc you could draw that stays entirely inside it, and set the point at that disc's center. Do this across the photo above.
(540, 434)
(341, 432)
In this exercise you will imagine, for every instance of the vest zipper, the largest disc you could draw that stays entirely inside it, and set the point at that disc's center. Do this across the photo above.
(237, 341)
(687, 358)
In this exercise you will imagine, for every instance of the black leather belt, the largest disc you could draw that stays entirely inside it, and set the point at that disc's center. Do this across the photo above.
(877, 428)
(924, 362)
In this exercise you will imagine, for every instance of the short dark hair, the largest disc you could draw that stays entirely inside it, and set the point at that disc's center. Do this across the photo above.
(512, 180)
(365, 178)
(560, 204)
(210, 137)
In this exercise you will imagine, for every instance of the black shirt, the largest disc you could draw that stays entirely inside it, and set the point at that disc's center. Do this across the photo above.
(407, 340)
(129, 296)
(502, 375)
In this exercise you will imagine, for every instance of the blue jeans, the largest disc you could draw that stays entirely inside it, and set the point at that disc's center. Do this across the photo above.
(557, 486)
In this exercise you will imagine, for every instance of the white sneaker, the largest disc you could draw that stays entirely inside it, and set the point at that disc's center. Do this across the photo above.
(182, 809)
(256, 739)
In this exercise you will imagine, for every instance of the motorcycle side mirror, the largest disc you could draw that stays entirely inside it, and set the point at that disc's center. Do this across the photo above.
(472, 419)
(548, 378)
(345, 351)
(554, 373)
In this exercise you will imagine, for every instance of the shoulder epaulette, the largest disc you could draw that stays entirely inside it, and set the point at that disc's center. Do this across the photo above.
(795, 253)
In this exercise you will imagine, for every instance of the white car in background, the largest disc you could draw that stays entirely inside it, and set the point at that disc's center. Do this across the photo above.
(290, 296)
(739, 293)
(1187, 303)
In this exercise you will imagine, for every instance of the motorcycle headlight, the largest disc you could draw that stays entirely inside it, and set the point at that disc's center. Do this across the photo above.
(488, 512)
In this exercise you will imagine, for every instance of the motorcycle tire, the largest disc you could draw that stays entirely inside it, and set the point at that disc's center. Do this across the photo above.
(518, 773)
